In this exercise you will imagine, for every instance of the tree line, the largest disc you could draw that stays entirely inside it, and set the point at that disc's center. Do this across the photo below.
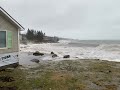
(38, 36)
(33, 35)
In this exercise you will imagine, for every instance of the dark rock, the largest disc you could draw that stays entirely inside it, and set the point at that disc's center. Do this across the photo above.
(54, 55)
(66, 56)
(52, 52)
(8, 88)
(38, 54)
(6, 79)
(35, 60)
(110, 71)
(76, 57)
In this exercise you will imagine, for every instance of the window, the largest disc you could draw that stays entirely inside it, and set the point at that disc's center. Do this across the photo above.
(2, 39)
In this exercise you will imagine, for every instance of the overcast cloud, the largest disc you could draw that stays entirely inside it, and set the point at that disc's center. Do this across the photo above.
(80, 19)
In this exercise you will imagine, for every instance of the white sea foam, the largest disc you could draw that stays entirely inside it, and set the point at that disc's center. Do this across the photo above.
(103, 51)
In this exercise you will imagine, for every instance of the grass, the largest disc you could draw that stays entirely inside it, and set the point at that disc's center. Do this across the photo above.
(56, 81)
(19, 81)
(65, 75)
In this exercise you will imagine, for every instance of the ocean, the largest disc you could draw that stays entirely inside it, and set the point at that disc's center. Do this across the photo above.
(92, 43)
(82, 49)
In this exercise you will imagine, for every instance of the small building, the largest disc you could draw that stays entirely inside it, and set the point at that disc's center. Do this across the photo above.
(9, 40)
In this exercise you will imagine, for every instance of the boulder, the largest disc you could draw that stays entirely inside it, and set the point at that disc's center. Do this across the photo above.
(66, 56)
(54, 55)
(35, 60)
(37, 53)
(52, 52)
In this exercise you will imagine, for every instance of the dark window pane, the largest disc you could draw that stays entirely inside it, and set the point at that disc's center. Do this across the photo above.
(2, 39)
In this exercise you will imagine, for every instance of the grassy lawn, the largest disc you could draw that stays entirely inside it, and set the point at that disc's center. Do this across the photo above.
(64, 75)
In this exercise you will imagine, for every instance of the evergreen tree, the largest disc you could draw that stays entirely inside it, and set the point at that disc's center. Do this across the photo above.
(34, 35)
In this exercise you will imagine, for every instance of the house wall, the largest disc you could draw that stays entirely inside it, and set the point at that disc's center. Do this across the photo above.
(6, 25)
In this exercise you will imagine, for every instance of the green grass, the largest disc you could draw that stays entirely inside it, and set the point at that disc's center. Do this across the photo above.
(66, 75)
(19, 77)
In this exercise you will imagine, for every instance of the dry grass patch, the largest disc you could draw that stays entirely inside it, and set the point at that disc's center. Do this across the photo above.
(60, 76)
(111, 87)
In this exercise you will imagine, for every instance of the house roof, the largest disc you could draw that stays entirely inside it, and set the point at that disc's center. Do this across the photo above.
(11, 19)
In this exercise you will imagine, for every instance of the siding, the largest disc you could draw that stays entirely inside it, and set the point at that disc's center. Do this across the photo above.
(6, 25)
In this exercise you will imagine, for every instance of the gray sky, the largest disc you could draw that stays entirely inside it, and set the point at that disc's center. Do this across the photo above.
(79, 19)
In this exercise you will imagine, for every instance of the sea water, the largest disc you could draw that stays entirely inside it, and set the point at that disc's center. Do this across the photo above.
(92, 43)
(97, 49)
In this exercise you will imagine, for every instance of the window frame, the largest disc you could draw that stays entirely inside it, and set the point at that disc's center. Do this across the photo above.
(6, 39)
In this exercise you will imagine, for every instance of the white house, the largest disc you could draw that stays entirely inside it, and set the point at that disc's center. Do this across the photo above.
(9, 40)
